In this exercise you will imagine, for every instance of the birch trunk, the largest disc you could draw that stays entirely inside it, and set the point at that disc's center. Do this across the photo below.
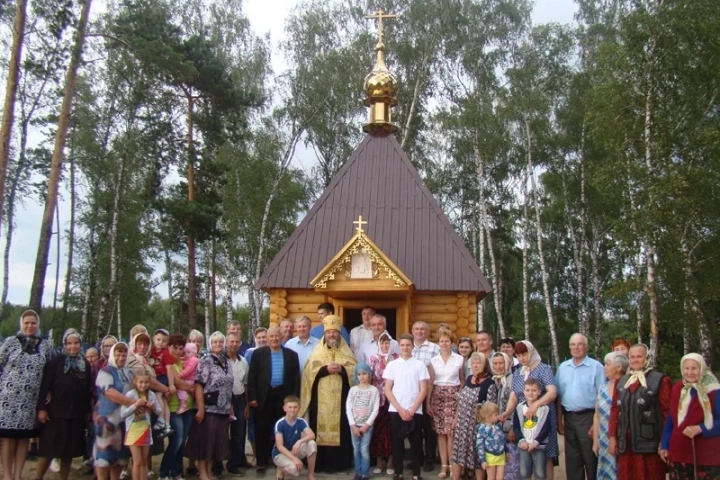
(480, 164)
(526, 265)
(255, 296)
(541, 255)
(597, 292)
(419, 82)
(11, 87)
(639, 259)
(207, 309)
(497, 287)
(693, 308)
(228, 286)
(38, 283)
(650, 260)
(109, 293)
(169, 273)
(89, 287)
(213, 295)
(119, 317)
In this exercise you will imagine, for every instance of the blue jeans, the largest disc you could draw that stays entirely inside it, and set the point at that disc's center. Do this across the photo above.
(361, 447)
(533, 462)
(171, 465)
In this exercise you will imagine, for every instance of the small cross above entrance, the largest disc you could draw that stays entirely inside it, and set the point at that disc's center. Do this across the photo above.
(359, 224)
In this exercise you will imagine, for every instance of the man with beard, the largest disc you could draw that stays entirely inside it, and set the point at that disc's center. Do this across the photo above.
(325, 387)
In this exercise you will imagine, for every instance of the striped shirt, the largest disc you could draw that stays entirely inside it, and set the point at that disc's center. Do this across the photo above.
(362, 405)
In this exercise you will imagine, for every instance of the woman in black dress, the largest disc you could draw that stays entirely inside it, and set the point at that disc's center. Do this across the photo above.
(66, 381)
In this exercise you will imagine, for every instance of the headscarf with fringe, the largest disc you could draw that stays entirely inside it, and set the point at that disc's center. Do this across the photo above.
(640, 375)
(708, 383)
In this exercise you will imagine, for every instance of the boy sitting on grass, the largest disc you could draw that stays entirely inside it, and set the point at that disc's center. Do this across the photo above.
(294, 440)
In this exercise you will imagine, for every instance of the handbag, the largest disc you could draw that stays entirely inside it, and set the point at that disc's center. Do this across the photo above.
(211, 398)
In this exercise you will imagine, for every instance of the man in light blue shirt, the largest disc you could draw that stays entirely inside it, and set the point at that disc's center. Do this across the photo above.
(304, 343)
(578, 383)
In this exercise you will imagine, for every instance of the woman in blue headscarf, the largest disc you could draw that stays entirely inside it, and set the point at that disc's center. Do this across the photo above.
(22, 359)
(66, 381)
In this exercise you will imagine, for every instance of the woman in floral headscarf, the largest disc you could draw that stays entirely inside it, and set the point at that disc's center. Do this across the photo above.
(691, 438)
(22, 359)
(533, 367)
(66, 380)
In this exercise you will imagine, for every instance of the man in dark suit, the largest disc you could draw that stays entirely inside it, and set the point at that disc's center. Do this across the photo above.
(273, 376)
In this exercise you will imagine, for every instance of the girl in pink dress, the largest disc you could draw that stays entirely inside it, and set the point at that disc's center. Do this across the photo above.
(190, 364)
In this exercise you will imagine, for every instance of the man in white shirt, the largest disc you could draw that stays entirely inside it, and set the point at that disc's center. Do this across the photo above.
(424, 350)
(304, 343)
(378, 324)
(240, 369)
(406, 386)
(362, 334)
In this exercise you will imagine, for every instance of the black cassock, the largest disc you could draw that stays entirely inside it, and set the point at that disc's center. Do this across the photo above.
(333, 459)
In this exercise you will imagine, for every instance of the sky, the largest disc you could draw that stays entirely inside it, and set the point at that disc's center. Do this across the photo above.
(263, 20)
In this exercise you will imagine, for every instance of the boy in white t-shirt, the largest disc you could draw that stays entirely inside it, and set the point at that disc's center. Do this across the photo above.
(406, 386)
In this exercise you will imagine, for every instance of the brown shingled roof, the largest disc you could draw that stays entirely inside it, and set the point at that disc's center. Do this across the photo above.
(380, 183)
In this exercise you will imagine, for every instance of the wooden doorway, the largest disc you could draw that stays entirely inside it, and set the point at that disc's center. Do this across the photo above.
(353, 318)
(396, 311)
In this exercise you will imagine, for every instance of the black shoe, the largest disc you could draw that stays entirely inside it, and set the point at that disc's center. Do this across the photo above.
(260, 470)
(191, 471)
(429, 467)
(236, 471)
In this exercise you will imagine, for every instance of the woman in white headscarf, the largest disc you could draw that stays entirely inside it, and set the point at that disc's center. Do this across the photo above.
(501, 394)
(114, 380)
(691, 439)
(22, 360)
(66, 381)
(533, 367)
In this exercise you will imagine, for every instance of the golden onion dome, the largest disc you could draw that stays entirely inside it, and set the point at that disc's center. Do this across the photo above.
(380, 83)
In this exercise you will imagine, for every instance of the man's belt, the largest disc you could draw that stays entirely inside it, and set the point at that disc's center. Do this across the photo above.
(578, 412)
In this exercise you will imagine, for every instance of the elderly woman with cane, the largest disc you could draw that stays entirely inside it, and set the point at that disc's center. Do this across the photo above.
(691, 439)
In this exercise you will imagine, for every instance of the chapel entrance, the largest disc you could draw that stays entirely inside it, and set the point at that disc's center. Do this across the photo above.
(353, 318)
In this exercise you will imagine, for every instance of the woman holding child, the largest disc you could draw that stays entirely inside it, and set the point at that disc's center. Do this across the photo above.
(501, 394)
(171, 465)
(532, 367)
(208, 440)
(464, 453)
(113, 382)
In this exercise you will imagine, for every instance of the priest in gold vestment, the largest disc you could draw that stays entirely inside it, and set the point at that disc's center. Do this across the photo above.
(325, 385)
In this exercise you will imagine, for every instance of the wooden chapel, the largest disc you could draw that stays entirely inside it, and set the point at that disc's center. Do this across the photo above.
(377, 237)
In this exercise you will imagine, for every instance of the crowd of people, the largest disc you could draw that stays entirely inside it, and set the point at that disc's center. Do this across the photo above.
(330, 400)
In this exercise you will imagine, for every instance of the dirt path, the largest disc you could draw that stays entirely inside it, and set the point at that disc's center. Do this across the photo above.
(30, 468)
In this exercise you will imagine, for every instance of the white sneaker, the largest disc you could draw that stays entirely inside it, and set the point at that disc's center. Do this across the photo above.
(55, 465)
(151, 474)
(124, 472)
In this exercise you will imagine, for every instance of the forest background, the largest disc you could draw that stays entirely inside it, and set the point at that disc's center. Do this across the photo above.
(579, 162)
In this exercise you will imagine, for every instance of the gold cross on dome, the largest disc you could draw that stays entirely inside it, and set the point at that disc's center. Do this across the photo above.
(380, 14)
(359, 224)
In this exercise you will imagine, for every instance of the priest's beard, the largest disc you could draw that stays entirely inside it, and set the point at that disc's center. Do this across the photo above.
(331, 343)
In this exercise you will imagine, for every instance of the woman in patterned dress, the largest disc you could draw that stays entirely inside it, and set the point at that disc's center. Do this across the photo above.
(691, 439)
(616, 364)
(381, 441)
(501, 394)
(446, 376)
(66, 381)
(22, 360)
(208, 441)
(474, 393)
(532, 367)
(113, 382)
